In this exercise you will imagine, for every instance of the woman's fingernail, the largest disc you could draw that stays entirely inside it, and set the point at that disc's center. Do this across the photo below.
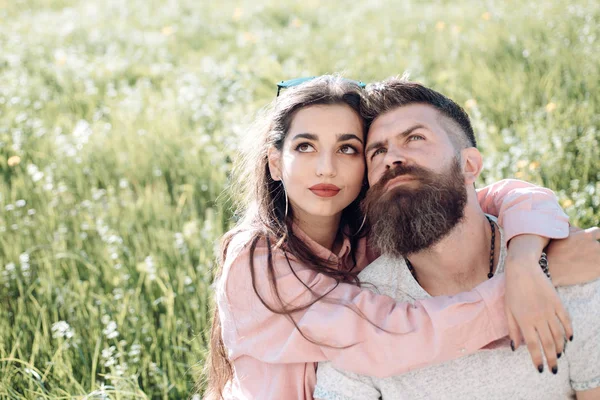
(512, 345)
(555, 370)
(558, 355)
(571, 338)
(541, 368)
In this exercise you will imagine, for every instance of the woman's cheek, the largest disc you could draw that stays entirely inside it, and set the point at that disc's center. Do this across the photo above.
(356, 175)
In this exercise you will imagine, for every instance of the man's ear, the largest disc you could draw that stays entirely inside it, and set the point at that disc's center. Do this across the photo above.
(472, 164)
(274, 158)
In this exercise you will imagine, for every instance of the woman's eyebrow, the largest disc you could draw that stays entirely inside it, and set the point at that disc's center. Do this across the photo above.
(342, 137)
(309, 136)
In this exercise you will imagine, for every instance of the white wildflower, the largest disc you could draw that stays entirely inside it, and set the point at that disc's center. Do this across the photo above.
(107, 352)
(24, 258)
(82, 132)
(136, 349)
(180, 243)
(62, 329)
(111, 330)
(34, 172)
(150, 268)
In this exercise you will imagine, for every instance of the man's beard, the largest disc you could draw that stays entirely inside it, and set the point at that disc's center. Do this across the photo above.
(407, 219)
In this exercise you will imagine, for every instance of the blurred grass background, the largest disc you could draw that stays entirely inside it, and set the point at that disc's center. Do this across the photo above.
(119, 120)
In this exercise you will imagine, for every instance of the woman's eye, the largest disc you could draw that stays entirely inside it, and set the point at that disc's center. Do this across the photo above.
(304, 148)
(347, 149)
(416, 137)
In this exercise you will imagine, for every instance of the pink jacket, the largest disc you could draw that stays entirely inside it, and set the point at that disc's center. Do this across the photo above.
(272, 359)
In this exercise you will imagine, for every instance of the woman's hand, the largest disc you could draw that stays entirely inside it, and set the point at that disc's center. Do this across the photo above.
(535, 312)
(575, 259)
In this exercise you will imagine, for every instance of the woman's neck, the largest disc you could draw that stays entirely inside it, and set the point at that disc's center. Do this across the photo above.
(322, 230)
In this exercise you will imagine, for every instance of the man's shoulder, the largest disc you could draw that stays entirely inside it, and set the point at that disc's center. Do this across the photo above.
(582, 299)
(381, 268)
(583, 304)
(582, 293)
(381, 275)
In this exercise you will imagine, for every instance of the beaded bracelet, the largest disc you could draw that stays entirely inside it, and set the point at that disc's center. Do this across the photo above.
(544, 264)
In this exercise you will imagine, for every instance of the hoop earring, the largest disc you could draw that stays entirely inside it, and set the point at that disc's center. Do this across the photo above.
(286, 201)
(361, 225)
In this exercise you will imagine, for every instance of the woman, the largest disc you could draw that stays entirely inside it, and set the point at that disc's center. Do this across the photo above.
(291, 263)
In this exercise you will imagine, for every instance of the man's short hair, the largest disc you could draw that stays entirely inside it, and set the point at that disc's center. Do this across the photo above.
(392, 93)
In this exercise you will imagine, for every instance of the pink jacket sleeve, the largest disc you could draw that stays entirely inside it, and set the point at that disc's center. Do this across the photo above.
(398, 337)
(524, 208)
(373, 334)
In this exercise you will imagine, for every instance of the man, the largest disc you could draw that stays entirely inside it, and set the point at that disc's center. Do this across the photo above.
(435, 240)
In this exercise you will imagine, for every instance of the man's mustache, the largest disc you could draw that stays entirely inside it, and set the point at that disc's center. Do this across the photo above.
(399, 170)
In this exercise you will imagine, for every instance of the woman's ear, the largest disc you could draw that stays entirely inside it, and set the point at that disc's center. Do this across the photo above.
(472, 164)
(274, 158)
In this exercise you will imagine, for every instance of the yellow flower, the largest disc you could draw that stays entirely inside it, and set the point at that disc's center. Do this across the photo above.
(471, 103)
(486, 15)
(249, 37)
(167, 31)
(13, 161)
(456, 29)
(534, 165)
(566, 203)
(522, 163)
(296, 23)
(519, 174)
(550, 107)
(440, 25)
(237, 14)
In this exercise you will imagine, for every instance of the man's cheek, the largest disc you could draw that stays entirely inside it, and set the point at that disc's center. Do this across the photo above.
(374, 176)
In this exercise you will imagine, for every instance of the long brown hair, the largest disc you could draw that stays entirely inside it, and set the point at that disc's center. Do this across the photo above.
(262, 210)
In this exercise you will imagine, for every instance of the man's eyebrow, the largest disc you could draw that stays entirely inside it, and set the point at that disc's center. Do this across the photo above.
(404, 133)
(374, 145)
(342, 137)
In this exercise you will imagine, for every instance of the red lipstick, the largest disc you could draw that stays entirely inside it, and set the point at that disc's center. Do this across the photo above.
(325, 190)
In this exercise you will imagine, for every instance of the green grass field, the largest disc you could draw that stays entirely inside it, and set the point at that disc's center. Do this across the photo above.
(119, 120)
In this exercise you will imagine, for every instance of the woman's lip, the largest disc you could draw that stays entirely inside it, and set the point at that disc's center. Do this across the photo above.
(325, 186)
(324, 193)
(325, 190)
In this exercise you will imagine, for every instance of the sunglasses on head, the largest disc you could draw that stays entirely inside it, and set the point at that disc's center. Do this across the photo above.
(297, 81)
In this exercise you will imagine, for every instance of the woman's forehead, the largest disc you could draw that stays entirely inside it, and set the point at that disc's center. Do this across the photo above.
(327, 121)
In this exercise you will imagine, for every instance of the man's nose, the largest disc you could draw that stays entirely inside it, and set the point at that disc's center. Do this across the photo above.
(394, 157)
(326, 166)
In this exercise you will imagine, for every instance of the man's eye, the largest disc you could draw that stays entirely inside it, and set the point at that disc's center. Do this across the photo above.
(304, 148)
(416, 137)
(347, 149)
(380, 150)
